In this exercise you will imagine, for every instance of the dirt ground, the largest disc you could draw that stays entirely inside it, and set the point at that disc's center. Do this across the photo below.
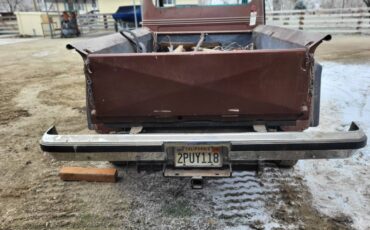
(41, 83)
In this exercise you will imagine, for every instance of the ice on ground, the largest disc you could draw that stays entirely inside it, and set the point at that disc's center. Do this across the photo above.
(343, 186)
(241, 200)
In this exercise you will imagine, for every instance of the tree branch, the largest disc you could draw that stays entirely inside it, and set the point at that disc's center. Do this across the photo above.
(12, 4)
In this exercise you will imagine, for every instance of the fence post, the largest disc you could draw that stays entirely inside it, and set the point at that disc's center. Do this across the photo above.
(359, 22)
(105, 21)
(301, 20)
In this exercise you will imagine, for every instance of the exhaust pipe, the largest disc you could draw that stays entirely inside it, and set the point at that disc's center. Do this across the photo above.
(196, 182)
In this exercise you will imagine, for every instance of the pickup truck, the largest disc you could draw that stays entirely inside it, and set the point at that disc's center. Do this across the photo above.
(199, 90)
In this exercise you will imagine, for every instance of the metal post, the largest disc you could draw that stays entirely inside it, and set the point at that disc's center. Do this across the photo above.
(47, 15)
(59, 15)
(133, 1)
(35, 5)
(141, 8)
(57, 3)
(85, 3)
(105, 21)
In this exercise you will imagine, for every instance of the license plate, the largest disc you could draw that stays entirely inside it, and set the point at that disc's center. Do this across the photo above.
(198, 156)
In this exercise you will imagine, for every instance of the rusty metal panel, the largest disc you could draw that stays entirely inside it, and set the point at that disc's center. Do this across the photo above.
(290, 37)
(113, 43)
(250, 85)
(203, 18)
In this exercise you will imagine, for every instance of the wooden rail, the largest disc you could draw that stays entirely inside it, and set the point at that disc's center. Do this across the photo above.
(336, 21)
(8, 25)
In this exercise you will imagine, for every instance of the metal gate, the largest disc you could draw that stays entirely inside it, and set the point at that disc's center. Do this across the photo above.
(8, 25)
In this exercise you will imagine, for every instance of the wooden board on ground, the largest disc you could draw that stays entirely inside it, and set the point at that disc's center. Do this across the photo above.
(88, 174)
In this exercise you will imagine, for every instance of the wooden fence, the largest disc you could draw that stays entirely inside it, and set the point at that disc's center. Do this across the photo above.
(8, 25)
(336, 21)
(89, 23)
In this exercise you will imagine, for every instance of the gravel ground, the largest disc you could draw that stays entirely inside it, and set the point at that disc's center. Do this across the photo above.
(42, 84)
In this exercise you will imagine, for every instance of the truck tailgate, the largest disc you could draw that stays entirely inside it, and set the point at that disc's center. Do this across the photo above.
(258, 84)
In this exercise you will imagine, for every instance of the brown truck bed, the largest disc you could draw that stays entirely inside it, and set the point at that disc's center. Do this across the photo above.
(230, 100)
(267, 85)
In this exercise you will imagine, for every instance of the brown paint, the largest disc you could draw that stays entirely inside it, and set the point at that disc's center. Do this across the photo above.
(202, 18)
(263, 86)
(217, 84)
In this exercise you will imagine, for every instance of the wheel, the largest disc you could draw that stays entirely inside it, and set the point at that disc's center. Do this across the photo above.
(286, 163)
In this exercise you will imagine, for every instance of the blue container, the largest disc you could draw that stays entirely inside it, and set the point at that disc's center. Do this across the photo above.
(126, 13)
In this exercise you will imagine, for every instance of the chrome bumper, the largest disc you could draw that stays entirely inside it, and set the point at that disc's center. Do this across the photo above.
(243, 146)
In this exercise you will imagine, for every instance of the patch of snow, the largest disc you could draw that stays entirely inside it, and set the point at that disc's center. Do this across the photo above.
(343, 186)
(44, 53)
(8, 41)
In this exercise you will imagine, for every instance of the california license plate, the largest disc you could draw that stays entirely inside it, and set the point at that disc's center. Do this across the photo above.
(198, 156)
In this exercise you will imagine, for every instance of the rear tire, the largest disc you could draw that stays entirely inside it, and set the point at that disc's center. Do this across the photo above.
(286, 163)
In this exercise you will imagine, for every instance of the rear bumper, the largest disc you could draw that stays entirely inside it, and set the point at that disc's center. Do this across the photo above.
(243, 146)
